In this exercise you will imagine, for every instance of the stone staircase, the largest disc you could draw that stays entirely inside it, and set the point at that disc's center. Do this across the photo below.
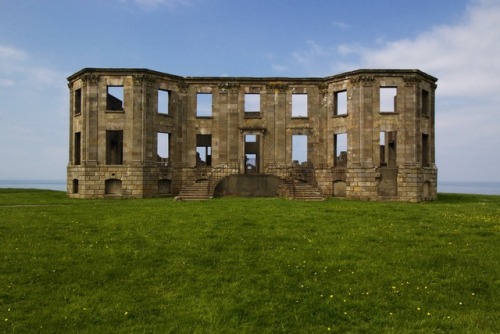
(306, 192)
(196, 191)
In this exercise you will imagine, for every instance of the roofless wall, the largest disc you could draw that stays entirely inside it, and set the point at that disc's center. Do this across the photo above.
(366, 134)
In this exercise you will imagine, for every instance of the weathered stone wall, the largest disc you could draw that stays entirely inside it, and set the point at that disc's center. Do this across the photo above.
(401, 167)
(258, 185)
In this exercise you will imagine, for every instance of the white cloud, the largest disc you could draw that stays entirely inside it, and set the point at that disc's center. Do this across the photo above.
(7, 83)
(464, 57)
(7, 52)
(341, 25)
(33, 117)
(16, 69)
(308, 58)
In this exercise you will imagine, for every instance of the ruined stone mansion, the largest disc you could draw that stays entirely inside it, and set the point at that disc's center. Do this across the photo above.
(365, 134)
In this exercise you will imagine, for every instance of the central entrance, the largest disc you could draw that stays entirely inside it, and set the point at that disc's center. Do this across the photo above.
(252, 153)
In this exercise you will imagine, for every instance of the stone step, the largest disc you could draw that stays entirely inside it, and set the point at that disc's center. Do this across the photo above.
(306, 192)
(194, 192)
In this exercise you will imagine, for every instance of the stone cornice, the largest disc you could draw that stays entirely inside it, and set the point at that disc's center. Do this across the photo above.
(277, 87)
(365, 80)
(90, 79)
(228, 87)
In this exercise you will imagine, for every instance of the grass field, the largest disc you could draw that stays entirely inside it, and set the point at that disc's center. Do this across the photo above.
(240, 265)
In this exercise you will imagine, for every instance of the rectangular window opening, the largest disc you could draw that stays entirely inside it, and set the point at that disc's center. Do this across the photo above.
(340, 154)
(299, 105)
(163, 101)
(425, 151)
(388, 99)
(78, 101)
(388, 148)
(203, 150)
(203, 105)
(252, 105)
(250, 138)
(114, 98)
(340, 103)
(252, 102)
(425, 103)
(77, 148)
(163, 148)
(299, 150)
(114, 147)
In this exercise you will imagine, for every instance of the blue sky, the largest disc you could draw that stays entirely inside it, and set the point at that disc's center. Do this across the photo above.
(43, 42)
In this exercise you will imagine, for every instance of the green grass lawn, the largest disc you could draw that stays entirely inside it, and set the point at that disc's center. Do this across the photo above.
(241, 265)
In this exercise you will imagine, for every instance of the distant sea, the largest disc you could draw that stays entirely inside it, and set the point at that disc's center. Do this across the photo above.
(482, 188)
(34, 184)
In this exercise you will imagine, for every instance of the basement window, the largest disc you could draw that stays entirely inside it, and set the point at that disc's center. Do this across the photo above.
(299, 150)
(162, 148)
(114, 147)
(388, 148)
(114, 98)
(203, 105)
(299, 105)
(340, 103)
(163, 101)
(252, 105)
(340, 150)
(203, 150)
(78, 101)
(113, 187)
(388, 99)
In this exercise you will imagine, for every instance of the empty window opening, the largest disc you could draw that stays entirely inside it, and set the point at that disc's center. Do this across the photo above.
(252, 102)
(299, 150)
(252, 105)
(425, 103)
(78, 101)
(340, 153)
(388, 148)
(163, 101)
(388, 99)
(299, 105)
(340, 103)
(114, 98)
(425, 151)
(113, 187)
(250, 163)
(250, 138)
(203, 150)
(252, 153)
(114, 147)
(75, 186)
(77, 148)
(203, 105)
(163, 148)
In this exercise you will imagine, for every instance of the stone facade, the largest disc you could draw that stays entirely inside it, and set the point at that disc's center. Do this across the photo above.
(366, 134)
